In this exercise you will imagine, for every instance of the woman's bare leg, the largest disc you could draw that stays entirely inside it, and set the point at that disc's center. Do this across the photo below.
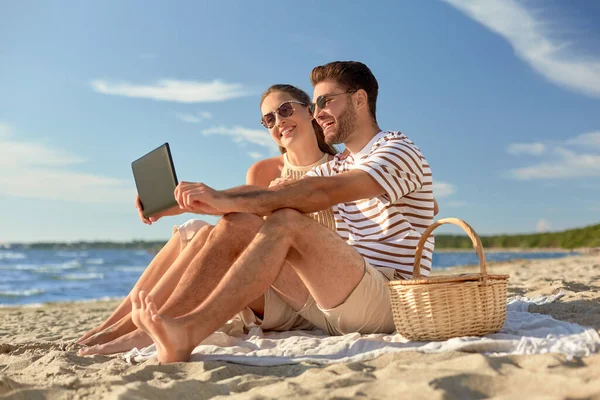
(162, 290)
(160, 278)
(150, 276)
(211, 261)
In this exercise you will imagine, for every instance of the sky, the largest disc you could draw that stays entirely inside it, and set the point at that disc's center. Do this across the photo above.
(502, 98)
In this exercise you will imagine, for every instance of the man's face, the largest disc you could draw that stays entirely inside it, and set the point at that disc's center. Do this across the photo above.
(337, 116)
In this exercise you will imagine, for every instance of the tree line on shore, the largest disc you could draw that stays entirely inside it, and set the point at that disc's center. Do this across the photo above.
(587, 237)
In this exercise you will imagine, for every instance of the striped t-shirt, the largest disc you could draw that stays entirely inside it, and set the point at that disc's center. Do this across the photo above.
(385, 230)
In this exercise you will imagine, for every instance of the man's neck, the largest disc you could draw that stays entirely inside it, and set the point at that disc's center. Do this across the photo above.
(361, 136)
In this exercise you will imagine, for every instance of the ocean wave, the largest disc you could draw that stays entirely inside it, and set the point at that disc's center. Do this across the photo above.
(19, 267)
(59, 267)
(29, 305)
(21, 293)
(81, 277)
(72, 253)
(11, 255)
(95, 261)
(37, 305)
(130, 269)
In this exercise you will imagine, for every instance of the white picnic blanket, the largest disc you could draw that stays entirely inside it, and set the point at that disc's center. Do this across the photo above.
(522, 333)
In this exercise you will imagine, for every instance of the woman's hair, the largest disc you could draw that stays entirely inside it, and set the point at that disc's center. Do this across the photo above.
(300, 95)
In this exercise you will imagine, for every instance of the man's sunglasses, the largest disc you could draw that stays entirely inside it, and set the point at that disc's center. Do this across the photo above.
(321, 102)
(285, 109)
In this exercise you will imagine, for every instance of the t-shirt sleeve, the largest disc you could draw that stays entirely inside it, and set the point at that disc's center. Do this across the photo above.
(397, 167)
(319, 170)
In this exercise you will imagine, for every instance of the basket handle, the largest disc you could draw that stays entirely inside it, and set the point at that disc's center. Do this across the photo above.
(470, 232)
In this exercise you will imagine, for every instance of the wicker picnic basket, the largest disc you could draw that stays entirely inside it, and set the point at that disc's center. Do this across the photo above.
(442, 307)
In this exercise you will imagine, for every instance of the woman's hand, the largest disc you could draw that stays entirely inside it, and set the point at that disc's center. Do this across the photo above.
(280, 181)
(175, 210)
(140, 210)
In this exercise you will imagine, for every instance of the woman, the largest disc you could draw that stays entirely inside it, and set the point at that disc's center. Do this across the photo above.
(302, 145)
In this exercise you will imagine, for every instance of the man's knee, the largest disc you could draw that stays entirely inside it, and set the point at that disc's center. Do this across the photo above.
(239, 224)
(284, 222)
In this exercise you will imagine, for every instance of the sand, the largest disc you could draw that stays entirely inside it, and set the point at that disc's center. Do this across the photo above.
(36, 363)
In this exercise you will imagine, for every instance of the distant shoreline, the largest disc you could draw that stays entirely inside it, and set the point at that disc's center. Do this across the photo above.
(128, 246)
(511, 250)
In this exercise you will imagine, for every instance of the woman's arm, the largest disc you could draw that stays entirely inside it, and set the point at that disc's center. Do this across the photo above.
(263, 172)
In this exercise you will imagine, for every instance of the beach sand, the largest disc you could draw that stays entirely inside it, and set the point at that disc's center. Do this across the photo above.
(34, 362)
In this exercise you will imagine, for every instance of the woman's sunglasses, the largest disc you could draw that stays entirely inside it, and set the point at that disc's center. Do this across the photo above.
(285, 109)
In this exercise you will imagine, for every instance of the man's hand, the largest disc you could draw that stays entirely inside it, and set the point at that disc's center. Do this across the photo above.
(202, 199)
(176, 210)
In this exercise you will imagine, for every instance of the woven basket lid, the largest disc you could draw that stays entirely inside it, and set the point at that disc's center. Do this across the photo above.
(448, 279)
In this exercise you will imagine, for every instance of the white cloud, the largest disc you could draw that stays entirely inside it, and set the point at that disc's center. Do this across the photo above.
(174, 90)
(27, 154)
(5, 130)
(443, 189)
(243, 135)
(530, 38)
(34, 170)
(543, 226)
(256, 155)
(558, 161)
(566, 164)
(194, 118)
(526, 148)
(591, 139)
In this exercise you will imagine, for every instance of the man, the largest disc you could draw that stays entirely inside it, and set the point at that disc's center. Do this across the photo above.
(381, 193)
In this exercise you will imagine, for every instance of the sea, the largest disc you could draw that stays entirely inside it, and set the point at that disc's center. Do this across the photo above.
(32, 277)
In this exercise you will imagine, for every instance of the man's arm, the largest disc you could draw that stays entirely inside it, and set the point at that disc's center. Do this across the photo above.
(305, 195)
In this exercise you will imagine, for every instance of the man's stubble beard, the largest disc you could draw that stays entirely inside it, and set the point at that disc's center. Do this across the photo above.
(346, 124)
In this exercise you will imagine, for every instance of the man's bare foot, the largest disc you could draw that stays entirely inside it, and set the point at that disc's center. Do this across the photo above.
(173, 340)
(124, 343)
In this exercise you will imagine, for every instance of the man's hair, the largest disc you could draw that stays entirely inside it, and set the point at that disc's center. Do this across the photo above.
(352, 76)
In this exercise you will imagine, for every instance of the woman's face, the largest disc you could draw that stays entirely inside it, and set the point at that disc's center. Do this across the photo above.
(292, 129)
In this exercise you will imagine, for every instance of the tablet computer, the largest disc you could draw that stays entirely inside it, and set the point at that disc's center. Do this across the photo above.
(155, 179)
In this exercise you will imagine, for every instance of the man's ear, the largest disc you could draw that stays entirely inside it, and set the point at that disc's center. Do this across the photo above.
(361, 99)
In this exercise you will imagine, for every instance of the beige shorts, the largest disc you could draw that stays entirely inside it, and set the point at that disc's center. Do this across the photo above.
(188, 230)
(366, 310)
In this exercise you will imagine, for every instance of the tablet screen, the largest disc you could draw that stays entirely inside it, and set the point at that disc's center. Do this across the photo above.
(155, 179)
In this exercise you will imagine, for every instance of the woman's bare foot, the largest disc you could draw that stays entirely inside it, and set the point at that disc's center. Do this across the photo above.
(124, 343)
(89, 334)
(173, 340)
(120, 328)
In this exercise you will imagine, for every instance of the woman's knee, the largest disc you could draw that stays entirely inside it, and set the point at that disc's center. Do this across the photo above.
(201, 236)
(241, 220)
